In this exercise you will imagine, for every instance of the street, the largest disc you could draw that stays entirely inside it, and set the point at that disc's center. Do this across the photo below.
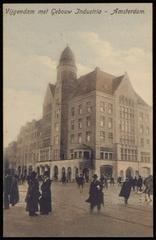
(71, 216)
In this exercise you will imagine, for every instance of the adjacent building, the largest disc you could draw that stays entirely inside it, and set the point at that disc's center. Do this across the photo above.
(95, 123)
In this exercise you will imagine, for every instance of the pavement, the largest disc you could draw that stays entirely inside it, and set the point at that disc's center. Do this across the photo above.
(71, 217)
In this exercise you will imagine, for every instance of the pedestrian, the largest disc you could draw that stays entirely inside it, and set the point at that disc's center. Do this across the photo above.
(96, 197)
(64, 179)
(102, 180)
(119, 181)
(105, 182)
(45, 200)
(134, 184)
(33, 194)
(6, 188)
(87, 178)
(126, 190)
(22, 178)
(28, 178)
(80, 182)
(112, 182)
(14, 192)
(139, 184)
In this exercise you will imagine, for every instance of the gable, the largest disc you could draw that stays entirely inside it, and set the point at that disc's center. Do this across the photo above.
(125, 88)
(48, 96)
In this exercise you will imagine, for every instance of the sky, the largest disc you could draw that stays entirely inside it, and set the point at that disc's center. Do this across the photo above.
(32, 45)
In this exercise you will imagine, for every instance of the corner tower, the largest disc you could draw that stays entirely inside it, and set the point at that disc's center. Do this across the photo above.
(66, 81)
(66, 65)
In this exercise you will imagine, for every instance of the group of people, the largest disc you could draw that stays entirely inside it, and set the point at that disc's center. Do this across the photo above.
(11, 192)
(135, 183)
(38, 199)
(96, 196)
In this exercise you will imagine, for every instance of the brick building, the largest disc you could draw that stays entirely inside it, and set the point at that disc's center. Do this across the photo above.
(95, 123)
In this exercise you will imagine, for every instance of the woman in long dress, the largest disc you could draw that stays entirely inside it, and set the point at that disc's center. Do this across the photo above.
(14, 192)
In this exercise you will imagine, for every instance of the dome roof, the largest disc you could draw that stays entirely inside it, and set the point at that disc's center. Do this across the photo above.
(67, 57)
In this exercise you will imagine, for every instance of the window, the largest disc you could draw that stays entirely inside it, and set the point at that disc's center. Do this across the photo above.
(86, 155)
(145, 157)
(80, 109)
(80, 138)
(141, 129)
(80, 123)
(146, 117)
(72, 111)
(110, 108)
(147, 130)
(110, 156)
(102, 136)
(56, 140)
(102, 106)
(88, 121)
(142, 142)
(88, 136)
(110, 123)
(148, 142)
(141, 116)
(56, 154)
(102, 121)
(56, 127)
(72, 138)
(89, 108)
(122, 126)
(72, 124)
(101, 155)
(80, 154)
(56, 115)
(110, 137)
(106, 155)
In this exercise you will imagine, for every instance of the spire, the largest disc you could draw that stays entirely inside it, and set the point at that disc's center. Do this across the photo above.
(67, 57)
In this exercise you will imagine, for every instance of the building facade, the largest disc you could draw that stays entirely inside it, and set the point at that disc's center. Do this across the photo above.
(95, 123)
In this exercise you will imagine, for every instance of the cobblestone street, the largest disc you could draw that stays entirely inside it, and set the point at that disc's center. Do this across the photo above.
(71, 217)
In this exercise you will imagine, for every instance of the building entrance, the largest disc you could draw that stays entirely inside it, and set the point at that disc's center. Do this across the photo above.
(56, 172)
(129, 172)
(106, 170)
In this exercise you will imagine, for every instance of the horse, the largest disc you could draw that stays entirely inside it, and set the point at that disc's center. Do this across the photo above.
(148, 183)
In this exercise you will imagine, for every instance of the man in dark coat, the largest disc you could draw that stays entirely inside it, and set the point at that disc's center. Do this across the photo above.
(95, 194)
(139, 184)
(33, 194)
(45, 200)
(126, 190)
(80, 182)
(6, 188)
(14, 193)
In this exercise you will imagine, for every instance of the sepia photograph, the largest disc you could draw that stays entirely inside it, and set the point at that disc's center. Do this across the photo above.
(77, 120)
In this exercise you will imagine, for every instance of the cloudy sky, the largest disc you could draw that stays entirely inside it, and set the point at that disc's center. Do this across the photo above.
(33, 44)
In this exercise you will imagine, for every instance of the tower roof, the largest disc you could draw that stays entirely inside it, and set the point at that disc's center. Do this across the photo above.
(67, 57)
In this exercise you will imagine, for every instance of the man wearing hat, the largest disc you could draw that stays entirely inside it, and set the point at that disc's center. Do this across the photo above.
(95, 194)
(33, 195)
(45, 200)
